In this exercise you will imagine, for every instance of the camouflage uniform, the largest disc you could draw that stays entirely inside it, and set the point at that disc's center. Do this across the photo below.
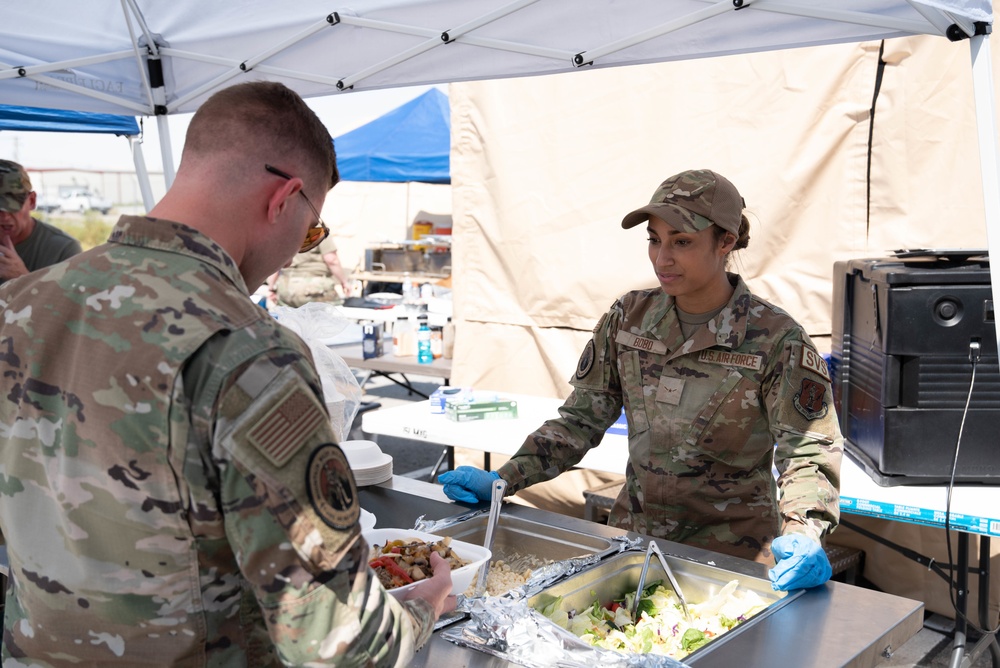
(308, 278)
(704, 415)
(171, 489)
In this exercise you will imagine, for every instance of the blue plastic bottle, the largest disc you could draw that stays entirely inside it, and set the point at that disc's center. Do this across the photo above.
(424, 354)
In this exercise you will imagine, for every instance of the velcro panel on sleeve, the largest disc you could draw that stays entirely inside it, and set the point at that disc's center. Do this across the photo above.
(802, 399)
(275, 430)
(593, 370)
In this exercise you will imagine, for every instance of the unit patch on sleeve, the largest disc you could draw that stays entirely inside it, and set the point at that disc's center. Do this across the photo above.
(280, 432)
(586, 362)
(809, 400)
(332, 491)
(813, 361)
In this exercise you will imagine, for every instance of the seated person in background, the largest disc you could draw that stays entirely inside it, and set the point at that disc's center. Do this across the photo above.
(311, 277)
(26, 244)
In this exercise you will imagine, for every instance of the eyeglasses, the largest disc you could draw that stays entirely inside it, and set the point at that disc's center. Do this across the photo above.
(319, 230)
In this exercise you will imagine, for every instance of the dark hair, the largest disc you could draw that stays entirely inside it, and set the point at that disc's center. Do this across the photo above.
(742, 239)
(269, 119)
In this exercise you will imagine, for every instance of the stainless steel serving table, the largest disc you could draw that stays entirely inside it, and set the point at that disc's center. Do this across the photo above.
(833, 625)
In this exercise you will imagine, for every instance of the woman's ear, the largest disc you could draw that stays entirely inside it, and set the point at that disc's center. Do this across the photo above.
(728, 242)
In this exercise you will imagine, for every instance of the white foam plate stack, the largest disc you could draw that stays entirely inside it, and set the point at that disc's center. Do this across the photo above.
(369, 464)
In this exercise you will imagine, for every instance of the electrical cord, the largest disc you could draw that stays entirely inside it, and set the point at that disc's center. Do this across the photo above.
(974, 353)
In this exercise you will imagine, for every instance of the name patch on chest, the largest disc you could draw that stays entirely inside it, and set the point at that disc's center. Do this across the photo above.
(742, 360)
(638, 342)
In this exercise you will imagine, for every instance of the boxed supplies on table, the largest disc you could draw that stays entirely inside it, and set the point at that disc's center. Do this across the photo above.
(467, 406)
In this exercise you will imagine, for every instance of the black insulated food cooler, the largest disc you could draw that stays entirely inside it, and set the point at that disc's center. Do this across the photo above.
(903, 331)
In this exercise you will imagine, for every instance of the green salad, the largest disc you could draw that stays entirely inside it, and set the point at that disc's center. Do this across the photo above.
(661, 627)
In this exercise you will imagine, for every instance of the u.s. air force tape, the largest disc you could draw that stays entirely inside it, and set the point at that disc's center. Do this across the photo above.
(332, 491)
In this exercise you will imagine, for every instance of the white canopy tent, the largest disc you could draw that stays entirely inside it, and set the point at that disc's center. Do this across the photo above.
(157, 58)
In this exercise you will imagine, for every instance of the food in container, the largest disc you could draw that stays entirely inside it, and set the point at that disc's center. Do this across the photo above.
(609, 581)
(660, 626)
(521, 546)
(413, 547)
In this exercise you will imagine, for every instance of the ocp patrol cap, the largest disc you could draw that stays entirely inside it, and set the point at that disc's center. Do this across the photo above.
(693, 201)
(14, 186)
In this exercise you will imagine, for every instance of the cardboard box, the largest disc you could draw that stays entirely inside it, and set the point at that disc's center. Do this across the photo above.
(466, 408)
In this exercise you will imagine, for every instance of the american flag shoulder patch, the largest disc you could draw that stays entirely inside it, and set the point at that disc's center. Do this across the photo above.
(284, 429)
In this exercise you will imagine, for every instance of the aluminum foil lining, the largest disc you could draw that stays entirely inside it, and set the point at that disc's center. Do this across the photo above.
(626, 543)
(509, 629)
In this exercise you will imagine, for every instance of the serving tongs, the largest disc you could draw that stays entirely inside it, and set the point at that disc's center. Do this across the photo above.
(496, 501)
(654, 548)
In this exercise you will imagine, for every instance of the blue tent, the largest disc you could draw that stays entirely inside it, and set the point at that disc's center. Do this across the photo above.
(56, 120)
(409, 143)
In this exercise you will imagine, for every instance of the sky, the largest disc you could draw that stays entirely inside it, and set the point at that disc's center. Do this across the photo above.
(52, 150)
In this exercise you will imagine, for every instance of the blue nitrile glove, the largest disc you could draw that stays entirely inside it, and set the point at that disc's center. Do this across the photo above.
(802, 563)
(467, 484)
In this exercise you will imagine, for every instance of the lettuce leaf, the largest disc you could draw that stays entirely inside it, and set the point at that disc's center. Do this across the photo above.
(693, 639)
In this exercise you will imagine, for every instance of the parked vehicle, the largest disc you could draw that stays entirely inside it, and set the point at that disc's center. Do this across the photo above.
(46, 204)
(81, 199)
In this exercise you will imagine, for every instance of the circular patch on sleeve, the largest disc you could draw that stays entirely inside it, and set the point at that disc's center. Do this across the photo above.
(586, 362)
(332, 491)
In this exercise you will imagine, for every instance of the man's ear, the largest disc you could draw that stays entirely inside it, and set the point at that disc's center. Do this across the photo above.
(32, 200)
(279, 197)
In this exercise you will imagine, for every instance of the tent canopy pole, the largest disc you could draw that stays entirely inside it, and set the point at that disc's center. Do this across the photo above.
(166, 152)
(989, 158)
(143, 175)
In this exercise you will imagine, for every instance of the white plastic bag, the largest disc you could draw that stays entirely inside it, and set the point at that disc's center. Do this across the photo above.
(315, 322)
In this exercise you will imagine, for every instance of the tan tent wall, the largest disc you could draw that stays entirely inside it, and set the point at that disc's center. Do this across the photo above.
(544, 168)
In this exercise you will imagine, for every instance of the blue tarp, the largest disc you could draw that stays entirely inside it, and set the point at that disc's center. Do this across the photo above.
(56, 120)
(409, 143)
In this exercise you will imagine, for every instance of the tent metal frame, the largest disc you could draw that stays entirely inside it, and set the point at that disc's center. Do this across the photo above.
(148, 54)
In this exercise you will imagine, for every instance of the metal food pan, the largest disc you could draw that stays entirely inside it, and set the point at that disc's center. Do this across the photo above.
(613, 577)
(394, 260)
(517, 538)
